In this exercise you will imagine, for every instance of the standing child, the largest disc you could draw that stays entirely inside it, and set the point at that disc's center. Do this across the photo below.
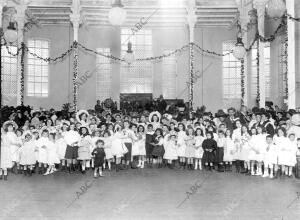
(181, 136)
(198, 148)
(209, 146)
(284, 151)
(149, 146)
(27, 155)
(298, 159)
(158, 150)
(7, 139)
(107, 149)
(221, 141)
(84, 147)
(170, 146)
(270, 158)
(190, 147)
(41, 145)
(61, 150)
(99, 155)
(52, 156)
(229, 151)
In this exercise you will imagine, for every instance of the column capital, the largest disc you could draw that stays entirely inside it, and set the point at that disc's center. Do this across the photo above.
(191, 16)
(191, 19)
(75, 17)
(260, 6)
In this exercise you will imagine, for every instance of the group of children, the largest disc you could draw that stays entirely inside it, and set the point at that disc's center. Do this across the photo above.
(119, 142)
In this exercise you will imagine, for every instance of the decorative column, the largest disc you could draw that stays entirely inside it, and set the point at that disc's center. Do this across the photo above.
(291, 74)
(244, 7)
(191, 19)
(76, 20)
(20, 18)
(260, 6)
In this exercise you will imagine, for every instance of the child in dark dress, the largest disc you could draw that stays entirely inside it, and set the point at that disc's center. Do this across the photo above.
(99, 155)
(149, 146)
(209, 146)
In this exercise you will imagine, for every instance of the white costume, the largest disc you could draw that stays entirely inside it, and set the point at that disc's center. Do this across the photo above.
(170, 149)
(198, 147)
(42, 145)
(61, 148)
(27, 153)
(285, 151)
(138, 147)
(229, 150)
(181, 143)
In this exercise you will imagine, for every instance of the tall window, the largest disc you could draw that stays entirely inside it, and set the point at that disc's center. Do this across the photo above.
(137, 77)
(231, 73)
(254, 70)
(38, 70)
(104, 75)
(9, 74)
(169, 73)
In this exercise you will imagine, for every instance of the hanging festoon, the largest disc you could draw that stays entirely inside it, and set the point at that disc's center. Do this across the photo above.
(257, 66)
(75, 76)
(242, 82)
(22, 81)
(285, 73)
(191, 84)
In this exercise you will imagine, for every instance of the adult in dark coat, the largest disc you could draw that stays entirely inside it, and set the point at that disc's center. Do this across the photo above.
(231, 119)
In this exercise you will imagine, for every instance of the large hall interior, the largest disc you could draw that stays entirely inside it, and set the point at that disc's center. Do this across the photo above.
(150, 109)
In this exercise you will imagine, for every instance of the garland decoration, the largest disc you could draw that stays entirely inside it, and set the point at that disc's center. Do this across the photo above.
(22, 90)
(49, 59)
(191, 84)
(242, 82)
(285, 73)
(210, 52)
(75, 76)
(257, 66)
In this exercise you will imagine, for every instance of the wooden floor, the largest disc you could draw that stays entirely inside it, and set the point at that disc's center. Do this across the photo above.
(149, 194)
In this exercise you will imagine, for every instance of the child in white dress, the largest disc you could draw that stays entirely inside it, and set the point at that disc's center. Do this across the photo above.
(84, 148)
(257, 149)
(229, 151)
(27, 155)
(61, 150)
(107, 149)
(270, 158)
(52, 156)
(118, 149)
(41, 145)
(170, 146)
(284, 151)
(199, 138)
(181, 136)
(139, 145)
